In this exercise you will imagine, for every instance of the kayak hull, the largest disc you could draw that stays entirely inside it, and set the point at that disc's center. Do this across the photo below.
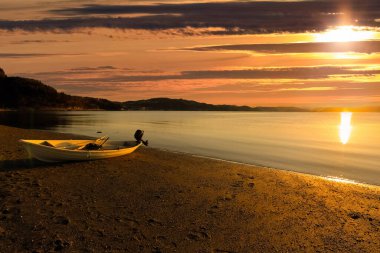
(67, 150)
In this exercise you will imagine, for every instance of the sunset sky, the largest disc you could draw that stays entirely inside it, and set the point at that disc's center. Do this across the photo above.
(273, 53)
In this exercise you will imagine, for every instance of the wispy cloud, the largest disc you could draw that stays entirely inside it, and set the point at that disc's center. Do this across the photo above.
(309, 89)
(312, 47)
(106, 67)
(125, 75)
(318, 72)
(232, 17)
(38, 41)
(27, 55)
(263, 85)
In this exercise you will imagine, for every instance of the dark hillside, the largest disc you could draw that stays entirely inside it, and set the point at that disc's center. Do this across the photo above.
(168, 104)
(21, 93)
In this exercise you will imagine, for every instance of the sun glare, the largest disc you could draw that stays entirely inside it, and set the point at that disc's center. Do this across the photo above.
(345, 34)
(345, 127)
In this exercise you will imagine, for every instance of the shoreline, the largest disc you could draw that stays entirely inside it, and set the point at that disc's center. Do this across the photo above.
(160, 201)
(328, 178)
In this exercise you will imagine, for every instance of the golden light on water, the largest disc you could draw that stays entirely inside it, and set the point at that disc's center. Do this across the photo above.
(341, 180)
(345, 127)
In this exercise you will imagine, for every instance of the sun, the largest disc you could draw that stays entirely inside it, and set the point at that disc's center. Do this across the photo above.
(344, 34)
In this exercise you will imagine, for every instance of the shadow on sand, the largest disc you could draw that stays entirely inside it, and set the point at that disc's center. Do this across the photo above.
(25, 164)
(21, 164)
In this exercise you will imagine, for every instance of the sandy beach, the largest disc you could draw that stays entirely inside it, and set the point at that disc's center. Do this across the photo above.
(157, 201)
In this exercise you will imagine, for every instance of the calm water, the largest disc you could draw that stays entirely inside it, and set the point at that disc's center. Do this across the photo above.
(303, 142)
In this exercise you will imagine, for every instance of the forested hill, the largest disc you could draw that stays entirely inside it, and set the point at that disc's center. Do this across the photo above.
(168, 104)
(25, 93)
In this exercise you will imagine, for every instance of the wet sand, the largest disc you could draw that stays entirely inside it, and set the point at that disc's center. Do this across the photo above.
(157, 201)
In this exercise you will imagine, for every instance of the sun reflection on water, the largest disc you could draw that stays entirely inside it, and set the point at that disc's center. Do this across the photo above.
(345, 127)
(341, 180)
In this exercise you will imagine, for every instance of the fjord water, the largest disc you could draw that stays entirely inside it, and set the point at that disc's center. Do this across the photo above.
(303, 142)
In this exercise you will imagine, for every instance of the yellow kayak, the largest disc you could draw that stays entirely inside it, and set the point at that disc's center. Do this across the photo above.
(81, 150)
(69, 150)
